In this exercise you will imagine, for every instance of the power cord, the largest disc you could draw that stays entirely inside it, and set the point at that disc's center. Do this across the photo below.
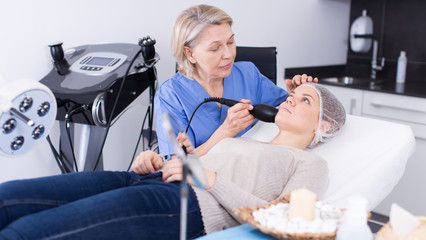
(76, 109)
(206, 100)
(139, 138)
(62, 166)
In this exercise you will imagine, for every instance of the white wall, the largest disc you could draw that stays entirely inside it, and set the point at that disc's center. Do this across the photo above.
(306, 33)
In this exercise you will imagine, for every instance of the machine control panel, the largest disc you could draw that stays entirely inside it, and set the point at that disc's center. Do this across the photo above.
(98, 63)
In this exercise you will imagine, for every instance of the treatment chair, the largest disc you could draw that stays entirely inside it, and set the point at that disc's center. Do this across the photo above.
(265, 59)
(367, 158)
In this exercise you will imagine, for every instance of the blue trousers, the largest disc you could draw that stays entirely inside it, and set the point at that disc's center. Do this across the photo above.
(95, 205)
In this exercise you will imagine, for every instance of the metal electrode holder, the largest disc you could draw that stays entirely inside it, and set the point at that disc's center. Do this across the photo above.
(27, 113)
(191, 166)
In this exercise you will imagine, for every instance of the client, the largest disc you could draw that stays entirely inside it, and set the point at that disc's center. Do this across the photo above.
(122, 205)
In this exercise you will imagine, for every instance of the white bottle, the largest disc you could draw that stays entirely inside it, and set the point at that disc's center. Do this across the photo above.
(401, 68)
(354, 225)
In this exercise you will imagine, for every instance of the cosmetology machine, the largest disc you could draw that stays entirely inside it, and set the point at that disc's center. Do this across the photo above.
(93, 85)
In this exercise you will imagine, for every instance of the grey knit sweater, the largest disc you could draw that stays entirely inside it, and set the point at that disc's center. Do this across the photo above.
(251, 173)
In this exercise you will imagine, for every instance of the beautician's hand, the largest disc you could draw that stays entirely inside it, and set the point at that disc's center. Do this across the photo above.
(297, 80)
(238, 118)
(183, 140)
(173, 172)
(147, 162)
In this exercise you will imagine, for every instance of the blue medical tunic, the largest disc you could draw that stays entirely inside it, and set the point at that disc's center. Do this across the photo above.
(180, 96)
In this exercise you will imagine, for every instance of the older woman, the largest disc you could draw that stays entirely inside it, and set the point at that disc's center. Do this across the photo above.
(204, 47)
(240, 172)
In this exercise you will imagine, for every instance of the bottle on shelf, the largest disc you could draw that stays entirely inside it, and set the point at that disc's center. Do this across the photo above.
(401, 68)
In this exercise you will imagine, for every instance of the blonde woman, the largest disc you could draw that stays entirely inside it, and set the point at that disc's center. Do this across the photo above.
(204, 47)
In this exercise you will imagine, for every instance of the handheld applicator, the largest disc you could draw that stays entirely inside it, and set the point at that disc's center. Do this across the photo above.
(263, 112)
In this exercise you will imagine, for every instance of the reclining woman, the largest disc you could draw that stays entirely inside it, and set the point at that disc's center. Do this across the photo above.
(240, 172)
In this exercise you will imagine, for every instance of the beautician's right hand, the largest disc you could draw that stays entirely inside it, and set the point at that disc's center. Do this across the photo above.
(183, 140)
(147, 162)
(238, 118)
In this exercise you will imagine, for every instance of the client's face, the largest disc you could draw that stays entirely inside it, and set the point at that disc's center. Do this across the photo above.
(300, 112)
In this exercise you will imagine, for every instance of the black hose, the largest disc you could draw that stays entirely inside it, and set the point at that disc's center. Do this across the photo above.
(263, 112)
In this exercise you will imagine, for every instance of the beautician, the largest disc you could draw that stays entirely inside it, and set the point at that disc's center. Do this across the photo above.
(204, 47)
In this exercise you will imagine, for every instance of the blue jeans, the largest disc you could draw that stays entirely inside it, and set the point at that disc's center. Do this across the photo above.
(95, 205)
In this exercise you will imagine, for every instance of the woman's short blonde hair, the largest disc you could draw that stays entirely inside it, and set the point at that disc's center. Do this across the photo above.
(187, 29)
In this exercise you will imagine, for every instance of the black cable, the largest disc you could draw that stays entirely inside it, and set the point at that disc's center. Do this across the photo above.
(150, 133)
(262, 112)
(67, 128)
(156, 149)
(87, 118)
(210, 99)
(76, 109)
(151, 116)
(61, 165)
(140, 134)
(55, 154)
(115, 106)
(206, 100)
(62, 157)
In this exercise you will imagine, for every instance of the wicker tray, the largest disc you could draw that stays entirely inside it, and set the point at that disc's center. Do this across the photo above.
(245, 214)
(386, 232)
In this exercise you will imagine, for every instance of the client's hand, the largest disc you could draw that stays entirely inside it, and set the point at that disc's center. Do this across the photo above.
(173, 172)
(147, 162)
(238, 118)
(297, 80)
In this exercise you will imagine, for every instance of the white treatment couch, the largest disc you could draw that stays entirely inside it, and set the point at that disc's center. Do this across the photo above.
(367, 158)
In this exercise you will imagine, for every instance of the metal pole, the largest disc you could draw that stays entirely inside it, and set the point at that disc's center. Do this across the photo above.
(183, 202)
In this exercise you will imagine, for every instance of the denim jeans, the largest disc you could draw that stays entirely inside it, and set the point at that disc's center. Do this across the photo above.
(95, 205)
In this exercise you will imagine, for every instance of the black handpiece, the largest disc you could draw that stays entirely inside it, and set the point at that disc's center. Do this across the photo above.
(263, 112)
(57, 53)
(148, 49)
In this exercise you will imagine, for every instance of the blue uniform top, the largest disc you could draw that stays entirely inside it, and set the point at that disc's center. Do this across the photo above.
(179, 96)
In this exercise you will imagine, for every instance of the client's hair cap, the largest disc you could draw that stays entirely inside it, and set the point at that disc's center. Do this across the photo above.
(331, 110)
